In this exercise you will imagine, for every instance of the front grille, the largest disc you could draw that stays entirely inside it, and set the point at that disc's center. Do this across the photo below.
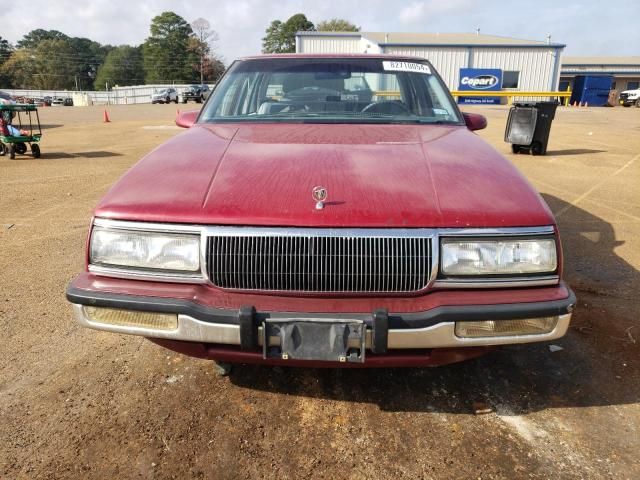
(319, 262)
(623, 96)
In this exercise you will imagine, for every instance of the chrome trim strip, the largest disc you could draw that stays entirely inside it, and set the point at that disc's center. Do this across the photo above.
(134, 274)
(480, 232)
(441, 335)
(497, 283)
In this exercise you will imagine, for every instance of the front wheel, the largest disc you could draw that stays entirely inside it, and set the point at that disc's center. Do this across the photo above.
(35, 150)
(638, 103)
(3, 149)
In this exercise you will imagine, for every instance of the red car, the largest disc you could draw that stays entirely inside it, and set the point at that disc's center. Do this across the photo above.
(326, 211)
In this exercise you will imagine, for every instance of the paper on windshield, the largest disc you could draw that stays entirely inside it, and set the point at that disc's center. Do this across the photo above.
(396, 66)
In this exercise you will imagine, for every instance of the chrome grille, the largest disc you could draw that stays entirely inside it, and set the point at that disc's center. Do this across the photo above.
(322, 262)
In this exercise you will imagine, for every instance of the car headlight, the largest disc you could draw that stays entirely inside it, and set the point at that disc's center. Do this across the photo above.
(498, 257)
(156, 251)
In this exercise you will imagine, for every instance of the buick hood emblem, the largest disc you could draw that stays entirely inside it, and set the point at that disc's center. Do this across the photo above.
(319, 195)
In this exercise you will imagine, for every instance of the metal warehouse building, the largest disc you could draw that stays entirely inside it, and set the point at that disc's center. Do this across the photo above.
(525, 65)
(625, 70)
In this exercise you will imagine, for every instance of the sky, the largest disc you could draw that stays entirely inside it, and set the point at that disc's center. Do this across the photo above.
(587, 27)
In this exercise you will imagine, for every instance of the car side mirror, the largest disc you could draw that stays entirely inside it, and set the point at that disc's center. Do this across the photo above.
(187, 119)
(475, 121)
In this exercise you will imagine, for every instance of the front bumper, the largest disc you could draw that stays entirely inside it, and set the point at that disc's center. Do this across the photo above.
(431, 329)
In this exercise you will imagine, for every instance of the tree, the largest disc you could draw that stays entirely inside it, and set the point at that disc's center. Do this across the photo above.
(202, 43)
(121, 67)
(166, 53)
(88, 56)
(18, 70)
(281, 37)
(337, 25)
(5, 52)
(34, 37)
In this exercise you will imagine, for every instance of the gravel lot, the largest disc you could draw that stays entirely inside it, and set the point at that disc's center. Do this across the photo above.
(76, 403)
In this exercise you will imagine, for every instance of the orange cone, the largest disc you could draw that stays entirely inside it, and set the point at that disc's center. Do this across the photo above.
(106, 116)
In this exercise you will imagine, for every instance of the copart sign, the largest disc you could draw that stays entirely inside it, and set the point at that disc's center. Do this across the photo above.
(480, 79)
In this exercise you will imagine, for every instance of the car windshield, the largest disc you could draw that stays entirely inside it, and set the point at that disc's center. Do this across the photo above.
(160, 92)
(322, 90)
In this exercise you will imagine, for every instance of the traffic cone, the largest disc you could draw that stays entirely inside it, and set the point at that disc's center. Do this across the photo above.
(106, 117)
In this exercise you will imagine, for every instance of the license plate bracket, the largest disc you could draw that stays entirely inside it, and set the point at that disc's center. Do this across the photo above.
(318, 339)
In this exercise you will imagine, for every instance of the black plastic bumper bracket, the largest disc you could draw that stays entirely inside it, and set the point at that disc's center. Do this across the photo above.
(248, 328)
(380, 331)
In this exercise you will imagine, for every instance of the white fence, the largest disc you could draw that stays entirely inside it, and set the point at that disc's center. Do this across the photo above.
(117, 96)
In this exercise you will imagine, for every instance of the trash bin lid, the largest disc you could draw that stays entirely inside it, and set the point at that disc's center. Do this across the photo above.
(521, 125)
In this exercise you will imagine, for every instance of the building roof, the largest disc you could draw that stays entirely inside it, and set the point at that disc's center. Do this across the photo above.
(600, 61)
(461, 39)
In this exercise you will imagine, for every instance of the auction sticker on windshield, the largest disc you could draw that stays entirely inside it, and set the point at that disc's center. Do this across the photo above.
(406, 67)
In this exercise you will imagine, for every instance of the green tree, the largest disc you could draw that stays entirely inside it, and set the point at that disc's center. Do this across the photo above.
(337, 25)
(5, 52)
(281, 37)
(166, 53)
(88, 56)
(122, 66)
(54, 65)
(34, 37)
(18, 70)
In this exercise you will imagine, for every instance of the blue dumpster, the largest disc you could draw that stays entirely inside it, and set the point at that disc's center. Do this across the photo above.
(591, 89)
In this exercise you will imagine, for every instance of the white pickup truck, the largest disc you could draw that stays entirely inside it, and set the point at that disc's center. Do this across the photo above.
(630, 97)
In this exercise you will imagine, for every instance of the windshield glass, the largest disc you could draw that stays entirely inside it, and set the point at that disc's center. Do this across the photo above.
(346, 90)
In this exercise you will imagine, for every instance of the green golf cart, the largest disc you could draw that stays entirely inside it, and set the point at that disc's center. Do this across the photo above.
(25, 118)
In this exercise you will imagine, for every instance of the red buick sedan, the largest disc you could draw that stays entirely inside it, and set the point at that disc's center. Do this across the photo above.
(326, 211)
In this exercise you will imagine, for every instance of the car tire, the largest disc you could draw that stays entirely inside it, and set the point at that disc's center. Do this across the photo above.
(515, 148)
(35, 150)
(184, 100)
(638, 103)
(12, 151)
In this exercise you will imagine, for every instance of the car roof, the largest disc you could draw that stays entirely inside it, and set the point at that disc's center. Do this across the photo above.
(343, 56)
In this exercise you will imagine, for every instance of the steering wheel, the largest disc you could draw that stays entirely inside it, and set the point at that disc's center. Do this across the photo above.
(390, 107)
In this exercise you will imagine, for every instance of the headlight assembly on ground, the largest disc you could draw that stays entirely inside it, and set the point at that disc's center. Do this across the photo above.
(498, 257)
(145, 250)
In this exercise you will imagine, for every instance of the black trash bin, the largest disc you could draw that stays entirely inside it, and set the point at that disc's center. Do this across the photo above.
(529, 125)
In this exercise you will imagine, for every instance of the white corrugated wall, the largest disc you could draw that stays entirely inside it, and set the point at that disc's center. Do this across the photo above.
(536, 65)
(329, 44)
(446, 60)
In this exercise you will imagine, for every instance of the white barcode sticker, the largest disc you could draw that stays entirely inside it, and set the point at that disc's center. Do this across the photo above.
(396, 66)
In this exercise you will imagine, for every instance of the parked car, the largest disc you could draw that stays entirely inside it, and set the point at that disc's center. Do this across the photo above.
(57, 102)
(197, 93)
(47, 100)
(166, 95)
(630, 97)
(68, 102)
(341, 223)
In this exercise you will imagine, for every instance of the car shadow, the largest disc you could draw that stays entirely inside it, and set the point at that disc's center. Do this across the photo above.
(585, 368)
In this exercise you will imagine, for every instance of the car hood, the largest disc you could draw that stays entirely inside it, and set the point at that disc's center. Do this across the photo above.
(376, 176)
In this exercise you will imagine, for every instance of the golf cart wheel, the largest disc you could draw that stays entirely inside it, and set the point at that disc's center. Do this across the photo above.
(515, 148)
(12, 151)
(35, 150)
(21, 148)
(536, 148)
(3, 149)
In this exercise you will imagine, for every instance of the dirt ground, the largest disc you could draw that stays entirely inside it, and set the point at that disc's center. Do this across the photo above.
(76, 403)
